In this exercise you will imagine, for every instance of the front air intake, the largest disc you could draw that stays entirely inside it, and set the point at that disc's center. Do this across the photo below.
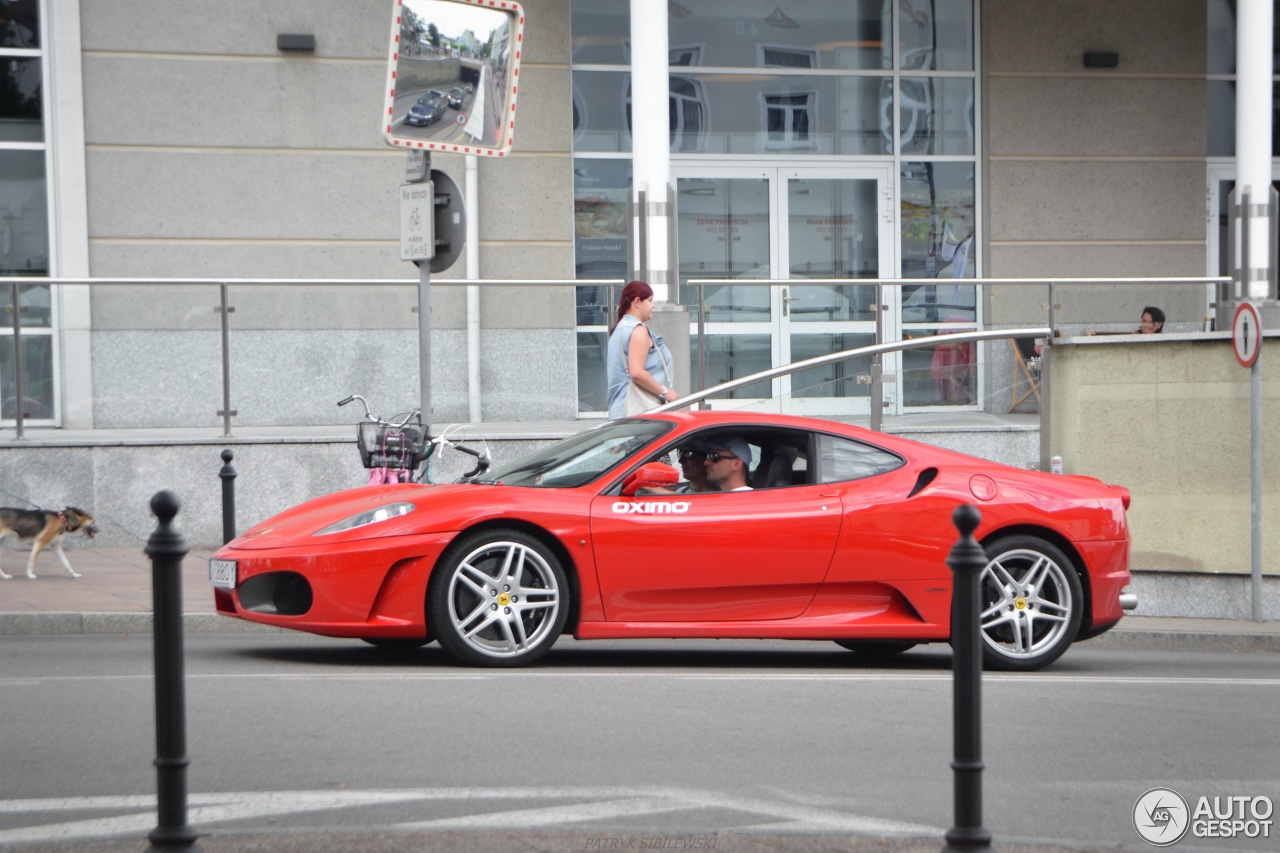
(281, 593)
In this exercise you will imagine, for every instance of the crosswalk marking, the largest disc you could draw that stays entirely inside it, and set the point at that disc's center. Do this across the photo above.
(598, 805)
(552, 815)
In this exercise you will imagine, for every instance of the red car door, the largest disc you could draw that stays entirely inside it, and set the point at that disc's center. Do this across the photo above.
(713, 557)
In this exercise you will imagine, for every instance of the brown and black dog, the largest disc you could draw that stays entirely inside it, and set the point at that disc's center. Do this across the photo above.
(42, 528)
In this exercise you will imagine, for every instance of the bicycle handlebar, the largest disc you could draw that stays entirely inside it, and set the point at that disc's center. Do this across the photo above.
(482, 456)
(367, 413)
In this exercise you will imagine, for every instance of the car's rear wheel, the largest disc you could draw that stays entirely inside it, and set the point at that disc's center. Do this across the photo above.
(1032, 604)
(866, 647)
(498, 598)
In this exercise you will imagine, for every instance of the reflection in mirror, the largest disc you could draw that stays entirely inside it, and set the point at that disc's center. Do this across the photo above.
(452, 75)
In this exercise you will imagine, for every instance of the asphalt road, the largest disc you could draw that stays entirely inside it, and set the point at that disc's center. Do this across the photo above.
(729, 745)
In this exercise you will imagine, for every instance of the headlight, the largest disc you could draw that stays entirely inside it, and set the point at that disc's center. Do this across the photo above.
(369, 516)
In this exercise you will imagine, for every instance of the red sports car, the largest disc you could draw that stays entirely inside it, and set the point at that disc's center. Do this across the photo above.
(840, 534)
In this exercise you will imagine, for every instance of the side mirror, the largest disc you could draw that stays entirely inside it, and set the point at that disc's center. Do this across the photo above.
(451, 80)
(650, 475)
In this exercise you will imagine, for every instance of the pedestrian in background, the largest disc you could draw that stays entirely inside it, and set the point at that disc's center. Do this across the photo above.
(639, 368)
(1152, 321)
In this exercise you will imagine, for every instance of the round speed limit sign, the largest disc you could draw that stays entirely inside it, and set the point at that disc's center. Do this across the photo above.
(1246, 334)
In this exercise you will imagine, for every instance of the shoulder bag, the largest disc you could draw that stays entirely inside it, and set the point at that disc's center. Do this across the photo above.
(638, 400)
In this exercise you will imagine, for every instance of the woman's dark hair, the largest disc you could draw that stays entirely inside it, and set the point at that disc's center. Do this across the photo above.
(633, 291)
(1157, 316)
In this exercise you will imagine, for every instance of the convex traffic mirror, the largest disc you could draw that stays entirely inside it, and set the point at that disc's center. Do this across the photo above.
(453, 74)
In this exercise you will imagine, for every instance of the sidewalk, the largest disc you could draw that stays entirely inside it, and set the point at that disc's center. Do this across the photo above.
(113, 596)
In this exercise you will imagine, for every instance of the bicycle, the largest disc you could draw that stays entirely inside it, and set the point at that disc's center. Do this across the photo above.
(393, 450)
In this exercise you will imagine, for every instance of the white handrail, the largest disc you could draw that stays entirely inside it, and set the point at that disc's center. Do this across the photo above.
(844, 355)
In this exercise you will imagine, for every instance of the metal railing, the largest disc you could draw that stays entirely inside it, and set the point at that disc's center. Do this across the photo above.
(225, 309)
(876, 350)
(1051, 308)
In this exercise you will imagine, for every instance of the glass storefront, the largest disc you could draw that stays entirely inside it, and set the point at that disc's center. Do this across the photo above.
(853, 124)
(24, 214)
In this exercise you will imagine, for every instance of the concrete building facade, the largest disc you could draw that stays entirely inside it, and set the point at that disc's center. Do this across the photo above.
(930, 140)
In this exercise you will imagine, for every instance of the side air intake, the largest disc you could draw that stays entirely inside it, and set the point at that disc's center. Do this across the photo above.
(926, 477)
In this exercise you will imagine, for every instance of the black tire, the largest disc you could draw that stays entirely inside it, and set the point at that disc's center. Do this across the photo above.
(870, 648)
(397, 644)
(498, 598)
(1032, 604)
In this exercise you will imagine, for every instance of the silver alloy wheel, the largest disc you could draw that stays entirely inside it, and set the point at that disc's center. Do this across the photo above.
(1030, 607)
(503, 599)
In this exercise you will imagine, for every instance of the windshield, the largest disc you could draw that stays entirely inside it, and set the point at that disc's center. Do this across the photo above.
(581, 458)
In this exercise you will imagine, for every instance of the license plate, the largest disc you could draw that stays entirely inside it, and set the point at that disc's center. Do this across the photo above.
(222, 573)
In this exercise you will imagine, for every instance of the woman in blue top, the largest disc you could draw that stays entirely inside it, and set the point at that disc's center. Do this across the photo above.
(635, 354)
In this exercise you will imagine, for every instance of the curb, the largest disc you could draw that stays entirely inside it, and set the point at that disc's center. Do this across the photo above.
(71, 622)
(12, 624)
(1203, 640)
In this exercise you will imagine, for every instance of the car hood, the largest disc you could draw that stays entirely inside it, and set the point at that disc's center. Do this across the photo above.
(435, 508)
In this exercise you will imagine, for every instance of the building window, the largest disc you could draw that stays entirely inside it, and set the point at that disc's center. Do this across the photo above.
(1220, 88)
(788, 120)
(781, 57)
(24, 213)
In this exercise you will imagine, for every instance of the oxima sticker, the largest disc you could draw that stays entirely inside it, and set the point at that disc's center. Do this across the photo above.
(650, 507)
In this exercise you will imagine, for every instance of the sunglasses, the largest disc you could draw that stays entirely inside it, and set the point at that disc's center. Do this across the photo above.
(687, 455)
(715, 456)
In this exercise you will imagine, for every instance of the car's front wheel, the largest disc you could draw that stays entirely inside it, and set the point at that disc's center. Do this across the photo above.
(397, 644)
(1032, 603)
(498, 598)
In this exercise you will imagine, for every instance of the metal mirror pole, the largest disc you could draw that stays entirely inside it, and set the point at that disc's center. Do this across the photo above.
(424, 342)
(424, 330)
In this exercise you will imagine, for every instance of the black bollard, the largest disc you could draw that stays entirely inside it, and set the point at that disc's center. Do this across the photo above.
(966, 561)
(228, 475)
(166, 549)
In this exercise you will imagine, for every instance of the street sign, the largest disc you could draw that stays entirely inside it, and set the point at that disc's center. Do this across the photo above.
(415, 169)
(417, 221)
(1246, 334)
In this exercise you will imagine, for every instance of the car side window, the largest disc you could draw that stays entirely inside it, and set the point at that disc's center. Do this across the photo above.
(841, 459)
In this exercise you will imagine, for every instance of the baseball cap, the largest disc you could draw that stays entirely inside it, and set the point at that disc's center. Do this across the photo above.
(737, 446)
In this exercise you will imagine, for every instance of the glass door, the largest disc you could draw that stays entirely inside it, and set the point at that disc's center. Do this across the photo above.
(805, 223)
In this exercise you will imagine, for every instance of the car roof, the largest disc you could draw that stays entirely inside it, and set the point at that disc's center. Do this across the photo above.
(904, 446)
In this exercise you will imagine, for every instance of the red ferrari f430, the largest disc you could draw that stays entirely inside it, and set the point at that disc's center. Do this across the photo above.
(833, 533)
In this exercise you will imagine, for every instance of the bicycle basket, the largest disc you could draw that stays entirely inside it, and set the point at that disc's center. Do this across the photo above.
(389, 446)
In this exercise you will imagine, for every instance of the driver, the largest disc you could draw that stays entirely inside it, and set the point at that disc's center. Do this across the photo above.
(691, 459)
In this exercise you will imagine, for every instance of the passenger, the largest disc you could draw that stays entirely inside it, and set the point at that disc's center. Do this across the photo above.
(727, 469)
(1152, 321)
